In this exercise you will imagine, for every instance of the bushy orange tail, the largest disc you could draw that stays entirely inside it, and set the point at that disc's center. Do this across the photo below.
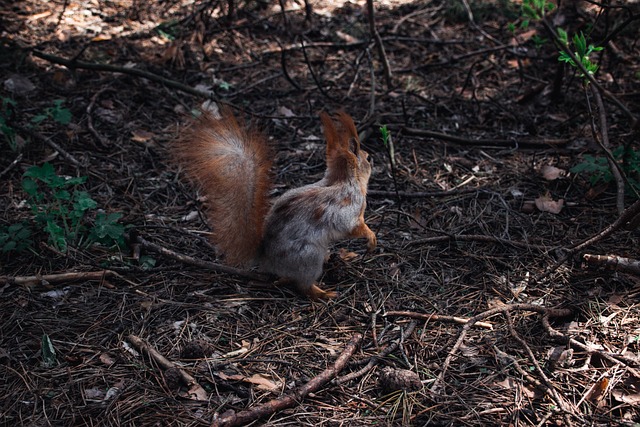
(231, 165)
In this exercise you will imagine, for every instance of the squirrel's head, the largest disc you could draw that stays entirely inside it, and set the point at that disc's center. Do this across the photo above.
(346, 161)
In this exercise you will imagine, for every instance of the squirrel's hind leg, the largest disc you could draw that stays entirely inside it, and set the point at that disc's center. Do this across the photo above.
(312, 291)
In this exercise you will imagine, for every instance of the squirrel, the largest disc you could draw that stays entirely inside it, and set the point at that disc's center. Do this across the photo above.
(290, 235)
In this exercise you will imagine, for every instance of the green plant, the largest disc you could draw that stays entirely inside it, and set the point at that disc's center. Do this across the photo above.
(582, 51)
(107, 231)
(59, 207)
(58, 113)
(15, 238)
(8, 132)
(599, 170)
(534, 10)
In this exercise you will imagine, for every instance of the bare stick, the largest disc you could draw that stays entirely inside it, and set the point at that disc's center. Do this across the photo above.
(294, 398)
(378, 42)
(548, 385)
(484, 142)
(73, 64)
(477, 238)
(551, 312)
(57, 278)
(587, 75)
(196, 392)
(35, 135)
(436, 317)
(373, 361)
(613, 262)
(626, 220)
(204, 264)
(603, 141)
(628, 362)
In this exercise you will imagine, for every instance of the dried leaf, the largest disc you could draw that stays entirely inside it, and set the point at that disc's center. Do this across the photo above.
(106, 359)
(551, 173)
(546, 204)
(346, 255)
(263, 382)
(284, 111)
(140, 135)
(598, 390)
(628, 398)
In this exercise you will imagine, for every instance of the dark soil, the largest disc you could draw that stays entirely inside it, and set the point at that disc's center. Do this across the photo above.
(462, 224)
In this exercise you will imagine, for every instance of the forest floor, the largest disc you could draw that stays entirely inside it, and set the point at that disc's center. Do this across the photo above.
(478, 295)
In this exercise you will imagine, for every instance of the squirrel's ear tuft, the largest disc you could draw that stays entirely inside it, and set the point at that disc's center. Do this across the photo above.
(330, 133)
(349, 131)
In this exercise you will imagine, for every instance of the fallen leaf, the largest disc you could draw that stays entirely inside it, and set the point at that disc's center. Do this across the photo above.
(141, 135)
(284, 111)
(546, 204)
(551, 173)
(598, 390)
(346, 255)
(106, 359)
(628, 398)
(263, 382)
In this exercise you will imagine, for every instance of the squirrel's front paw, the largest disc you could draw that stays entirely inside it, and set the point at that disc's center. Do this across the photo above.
(372, 241)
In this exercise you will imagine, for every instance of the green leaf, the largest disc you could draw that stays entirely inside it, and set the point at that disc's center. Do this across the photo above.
(106, 230)
(564, 37)
(30, 187)
(49, 359)
(83, 201)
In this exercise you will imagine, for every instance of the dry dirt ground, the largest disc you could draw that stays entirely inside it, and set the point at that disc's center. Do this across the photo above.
(485, 124)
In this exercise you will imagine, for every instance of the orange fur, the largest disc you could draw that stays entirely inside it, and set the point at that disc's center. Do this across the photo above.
(215, 153)
(290, 237)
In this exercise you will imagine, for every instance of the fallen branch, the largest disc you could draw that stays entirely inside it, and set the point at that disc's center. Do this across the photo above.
(628, 220)
(548, 385)
(231, 418)
(613, 262)
(57, 278)
(512, 143)
(378, 42)
(373, 361)
(550, 312)
(220, 268)
(73, 64)
(477, 238)
(436, 317)
(195, 390)
(614, 358)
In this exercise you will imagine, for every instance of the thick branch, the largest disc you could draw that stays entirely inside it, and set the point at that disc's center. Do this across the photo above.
(294, 398)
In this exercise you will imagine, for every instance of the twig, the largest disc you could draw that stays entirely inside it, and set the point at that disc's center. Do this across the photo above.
(611, 357)
(587, 75)
(101, 139)
(50, 143)
(626, 220)
(551, 312)
(560, 401)
(373, 361)
(378, 42)
(513, 143)
(613, 262)
(436, 317)
(74, 64)
(313, 74)
(294, 398)
(422, 194)
(285, 72)
(203, 264)
(603, 142)
(11, 165)
(57, 278)
(195, 390)
(478, 238)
